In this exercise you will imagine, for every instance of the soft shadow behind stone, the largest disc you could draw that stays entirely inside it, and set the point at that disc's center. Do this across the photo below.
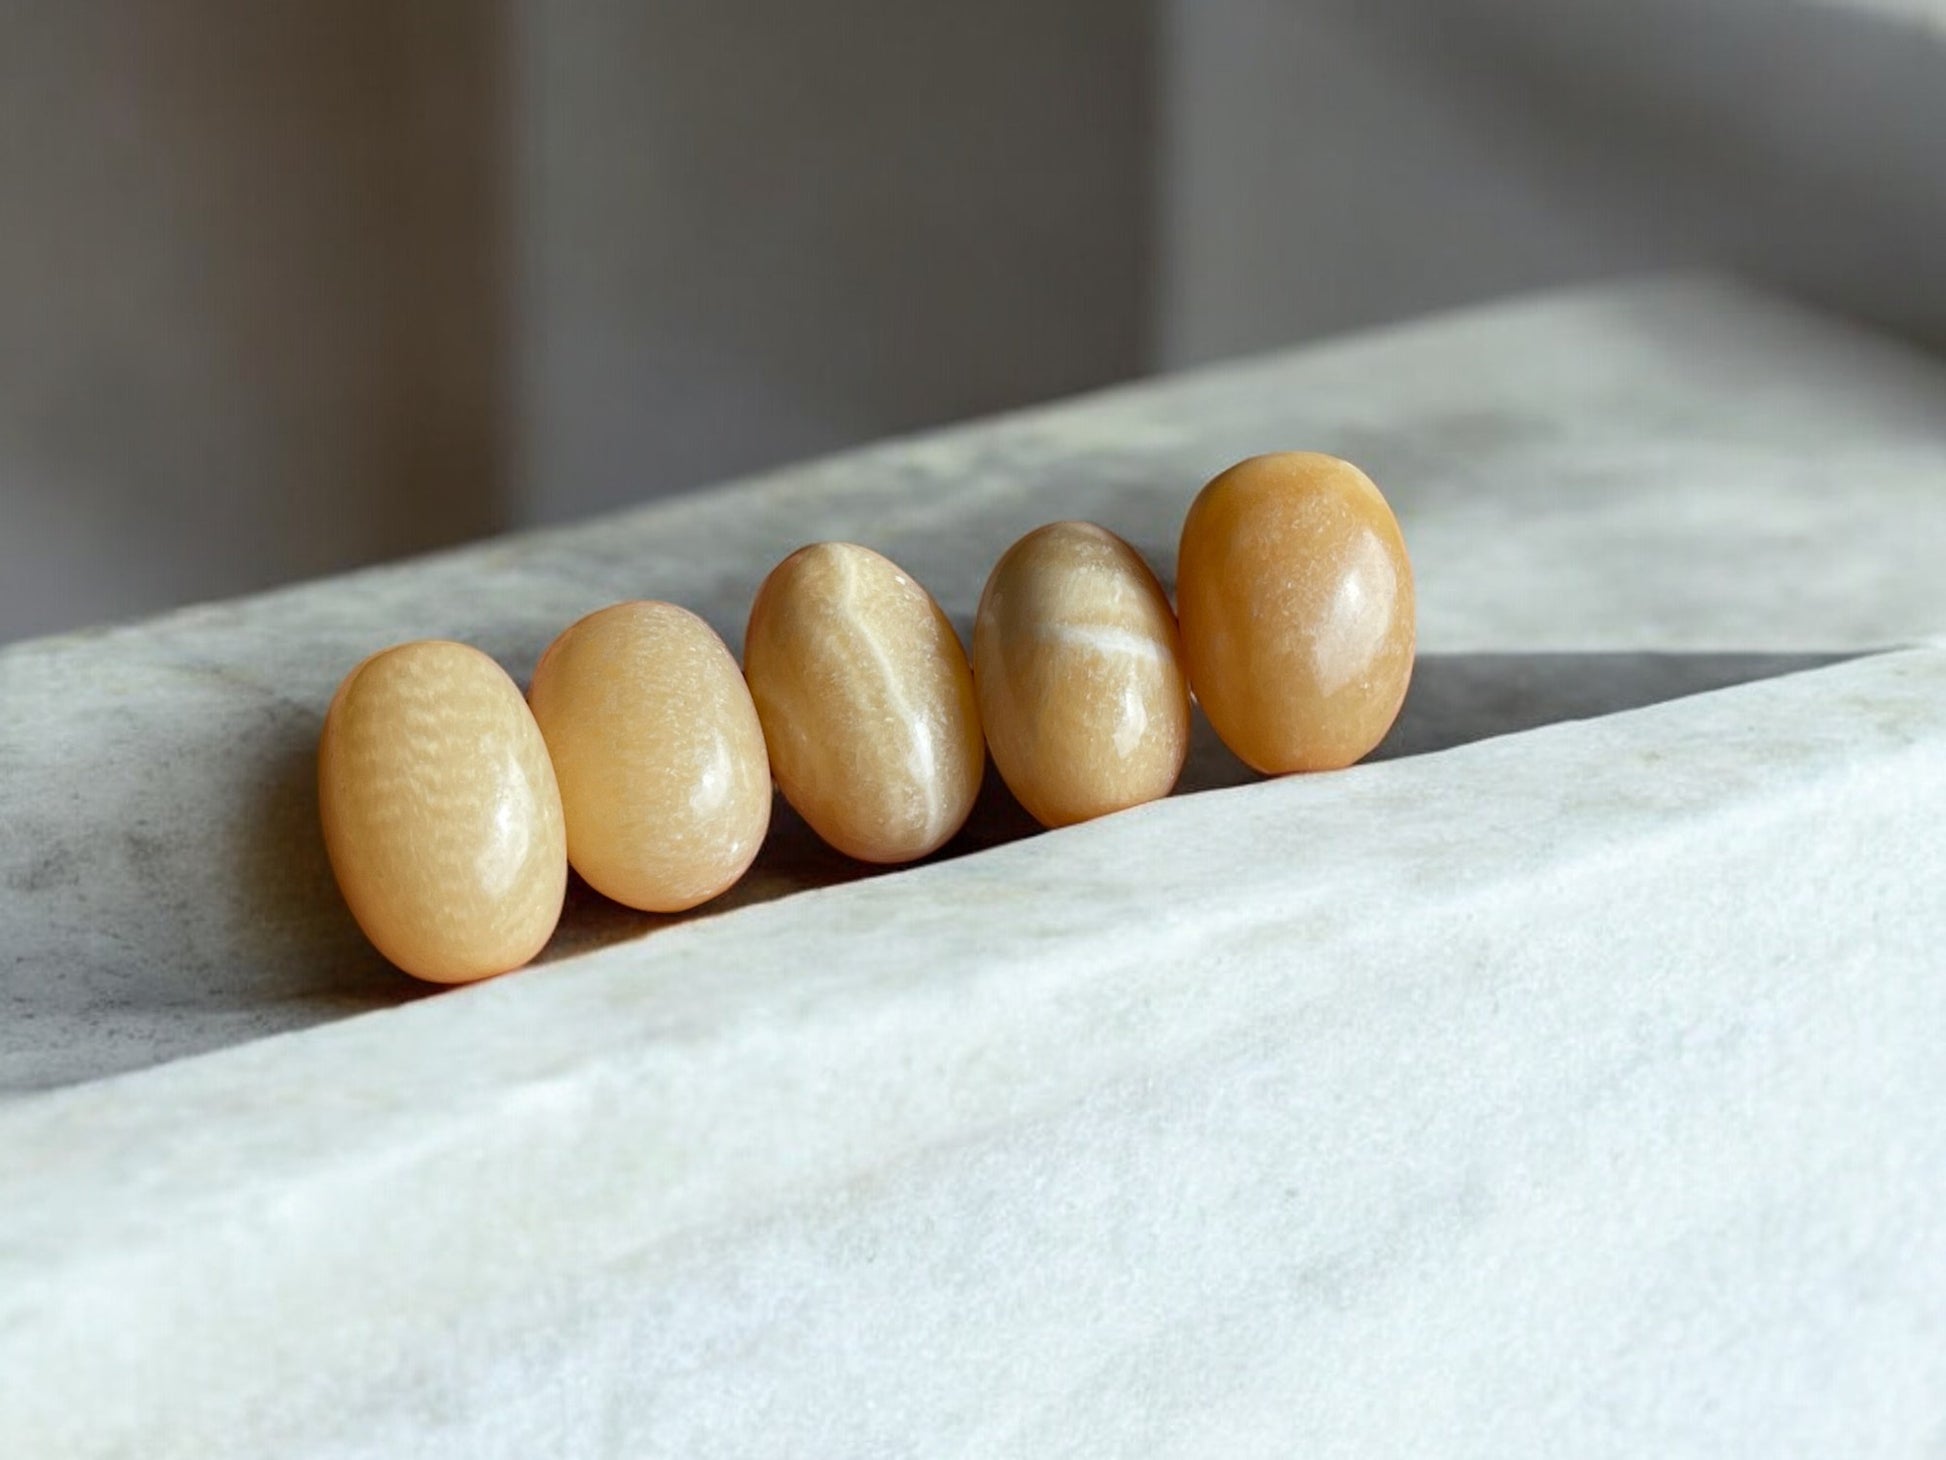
(283, 870)
(1459, 698)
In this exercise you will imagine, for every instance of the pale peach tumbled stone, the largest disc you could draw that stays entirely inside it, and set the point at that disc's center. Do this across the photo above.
(1295, 597)
(1078, 669)
(661, 761)
(441, 814)
(866, 701)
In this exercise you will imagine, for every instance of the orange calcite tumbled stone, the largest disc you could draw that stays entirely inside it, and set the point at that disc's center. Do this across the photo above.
(1295, 596)
(664, 779)
(441, 814)
(1078, 668)
(866, 701)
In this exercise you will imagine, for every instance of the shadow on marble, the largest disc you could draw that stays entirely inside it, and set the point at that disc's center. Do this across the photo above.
(1455, 699)
(262, 942)
(284, 870)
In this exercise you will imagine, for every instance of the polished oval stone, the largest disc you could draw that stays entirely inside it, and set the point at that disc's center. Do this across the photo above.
(1295, 596)
(866, 701)
(1078, 668)
(441, 814)
(664, 779)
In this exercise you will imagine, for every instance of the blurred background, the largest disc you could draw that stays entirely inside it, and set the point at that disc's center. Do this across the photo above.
(288, 286)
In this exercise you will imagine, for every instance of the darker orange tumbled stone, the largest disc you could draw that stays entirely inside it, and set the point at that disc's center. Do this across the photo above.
(1295, 596)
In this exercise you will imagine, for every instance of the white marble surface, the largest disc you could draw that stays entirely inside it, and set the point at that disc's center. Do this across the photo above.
(1679, 469)
(1573, 1091)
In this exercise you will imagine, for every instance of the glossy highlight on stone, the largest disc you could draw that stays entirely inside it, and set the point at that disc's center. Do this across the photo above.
(866, 701)
(1296, 602)
(440, 810)
(1078, 667)
(665, 783)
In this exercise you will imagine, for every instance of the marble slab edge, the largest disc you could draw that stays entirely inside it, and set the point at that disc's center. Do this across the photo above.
(267, 1240)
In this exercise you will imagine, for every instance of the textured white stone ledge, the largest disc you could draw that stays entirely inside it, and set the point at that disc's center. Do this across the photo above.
(1673, 467)
(1577, 1090)
(1571, 1091)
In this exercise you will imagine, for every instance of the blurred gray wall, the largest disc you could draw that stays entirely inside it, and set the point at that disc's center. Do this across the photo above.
(249, 295)
(290, 286)
(750, 231)
(1335, 163)
(287, 287)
